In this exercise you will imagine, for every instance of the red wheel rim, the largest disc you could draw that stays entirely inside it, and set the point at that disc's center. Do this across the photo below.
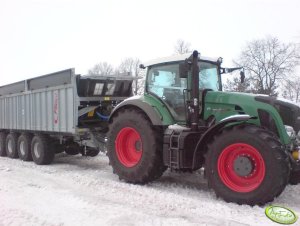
(229, 176)
(129, 147)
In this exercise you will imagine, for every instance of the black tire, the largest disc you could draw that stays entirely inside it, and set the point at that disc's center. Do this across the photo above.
(72, 149)
(41, 151)
(11, 145)
(268, 176)
(295, 178)
(92, 152)
(58, 148)
(149, 165)
(24, 147)
(2, 144)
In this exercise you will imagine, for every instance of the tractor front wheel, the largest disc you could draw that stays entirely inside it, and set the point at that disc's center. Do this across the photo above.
(135, 147)
(246, 165)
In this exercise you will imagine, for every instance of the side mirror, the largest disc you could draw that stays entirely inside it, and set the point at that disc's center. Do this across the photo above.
(184, 68)
(242, 75)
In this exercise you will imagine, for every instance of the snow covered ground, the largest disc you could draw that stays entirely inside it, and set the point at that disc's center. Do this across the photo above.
(77, 190)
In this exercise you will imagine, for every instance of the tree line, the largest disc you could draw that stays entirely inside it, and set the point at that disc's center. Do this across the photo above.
(130, 67)
(269, 66)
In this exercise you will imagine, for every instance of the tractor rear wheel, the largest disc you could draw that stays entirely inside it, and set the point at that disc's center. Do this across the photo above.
(135, 147)
(246, 165)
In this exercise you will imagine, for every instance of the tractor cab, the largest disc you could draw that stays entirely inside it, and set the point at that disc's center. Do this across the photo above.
(165, 83)
(171, 81)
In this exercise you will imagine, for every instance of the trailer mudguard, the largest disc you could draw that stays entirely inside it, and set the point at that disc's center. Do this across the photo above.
(135, 102)
(213, 130)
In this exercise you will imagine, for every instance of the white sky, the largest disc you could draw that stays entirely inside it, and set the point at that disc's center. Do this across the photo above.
(42, 36)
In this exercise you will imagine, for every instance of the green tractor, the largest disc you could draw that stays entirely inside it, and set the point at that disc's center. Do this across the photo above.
(246, 143)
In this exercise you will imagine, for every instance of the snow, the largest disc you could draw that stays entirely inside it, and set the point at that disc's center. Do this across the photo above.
(78, 190)
(177, 127)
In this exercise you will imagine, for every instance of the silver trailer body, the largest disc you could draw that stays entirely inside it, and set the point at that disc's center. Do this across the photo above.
(59, 103)
(45, 103)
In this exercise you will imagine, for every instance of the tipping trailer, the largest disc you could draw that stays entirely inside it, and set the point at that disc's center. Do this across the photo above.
(58, 112)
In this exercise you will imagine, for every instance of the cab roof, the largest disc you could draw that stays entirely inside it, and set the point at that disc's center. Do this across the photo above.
(176, 58)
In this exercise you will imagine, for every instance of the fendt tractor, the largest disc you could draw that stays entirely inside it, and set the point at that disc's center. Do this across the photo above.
(247, 144)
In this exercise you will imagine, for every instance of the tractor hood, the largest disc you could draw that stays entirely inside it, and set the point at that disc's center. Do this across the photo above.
(289, 112)
(250, 103)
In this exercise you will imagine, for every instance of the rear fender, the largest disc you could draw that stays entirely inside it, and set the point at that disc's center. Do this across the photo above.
(153, 115)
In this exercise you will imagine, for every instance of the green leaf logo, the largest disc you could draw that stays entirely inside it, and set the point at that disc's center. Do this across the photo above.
(281, 215)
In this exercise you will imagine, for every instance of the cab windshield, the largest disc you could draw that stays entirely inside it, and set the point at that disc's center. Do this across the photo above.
(164, 82)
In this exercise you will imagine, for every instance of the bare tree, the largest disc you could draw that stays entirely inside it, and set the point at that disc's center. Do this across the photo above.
(182, 47)
(235, 85)
(267, 61)
(291, 89)
(141, 82)
(102, 69)
(131, 66)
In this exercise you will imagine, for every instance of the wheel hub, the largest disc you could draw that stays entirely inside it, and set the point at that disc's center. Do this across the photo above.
(36, 150)
(129, 147)
(243, 166)
(22, 147)
(138, 145)
(10, 146)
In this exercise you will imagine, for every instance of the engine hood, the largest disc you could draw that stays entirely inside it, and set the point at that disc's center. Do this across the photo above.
(289, 112)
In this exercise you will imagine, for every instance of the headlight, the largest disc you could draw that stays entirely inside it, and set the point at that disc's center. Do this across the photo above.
(290, 131)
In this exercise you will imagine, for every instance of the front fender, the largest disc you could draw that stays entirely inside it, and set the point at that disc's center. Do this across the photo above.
(212, 131)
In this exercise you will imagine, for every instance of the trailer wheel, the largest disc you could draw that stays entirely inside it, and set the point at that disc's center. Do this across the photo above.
(92, 152)
(11, 145)
(2, 144)
(41, 150)
(246, 165)
(295, 178)
(72, 149)
(135, 147)
(58, 148)
(24, 147)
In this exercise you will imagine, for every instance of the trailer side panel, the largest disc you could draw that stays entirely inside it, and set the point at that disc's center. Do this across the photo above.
(47, 106)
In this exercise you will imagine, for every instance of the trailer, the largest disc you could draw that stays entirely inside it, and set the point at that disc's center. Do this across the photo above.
(57, 112)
